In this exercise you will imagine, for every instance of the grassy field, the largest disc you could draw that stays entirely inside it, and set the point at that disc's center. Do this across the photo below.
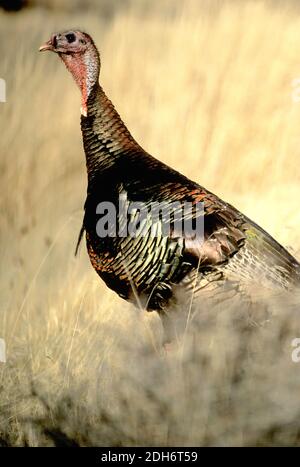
(206, 87)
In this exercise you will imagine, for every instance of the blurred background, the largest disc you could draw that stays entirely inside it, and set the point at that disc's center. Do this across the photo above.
(209, 87)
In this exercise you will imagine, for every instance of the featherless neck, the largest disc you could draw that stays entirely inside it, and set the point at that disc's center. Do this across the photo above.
(105, 136)
(85, 70)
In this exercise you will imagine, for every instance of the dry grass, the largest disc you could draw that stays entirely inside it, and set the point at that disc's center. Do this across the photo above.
(208, 90)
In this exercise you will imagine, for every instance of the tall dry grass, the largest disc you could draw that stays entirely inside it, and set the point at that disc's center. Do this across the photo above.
(207, 88)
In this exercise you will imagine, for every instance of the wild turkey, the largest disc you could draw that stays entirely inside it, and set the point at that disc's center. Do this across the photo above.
(154, 269)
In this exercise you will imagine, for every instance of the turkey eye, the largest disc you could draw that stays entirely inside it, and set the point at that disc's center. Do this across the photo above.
(70, 37)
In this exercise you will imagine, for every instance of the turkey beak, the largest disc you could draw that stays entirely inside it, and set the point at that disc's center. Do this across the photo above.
(47, 46)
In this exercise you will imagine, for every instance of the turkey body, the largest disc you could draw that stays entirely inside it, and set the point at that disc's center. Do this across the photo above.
(150, 270)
